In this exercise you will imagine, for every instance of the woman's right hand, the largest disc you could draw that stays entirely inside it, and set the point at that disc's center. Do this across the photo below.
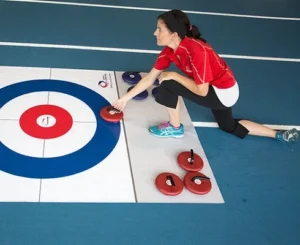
(120, 104)
(143, 84)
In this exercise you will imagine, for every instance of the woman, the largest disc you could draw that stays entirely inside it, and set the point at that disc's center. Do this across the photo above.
(209, 81)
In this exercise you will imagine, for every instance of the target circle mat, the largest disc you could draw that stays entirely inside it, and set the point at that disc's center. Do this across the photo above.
(51, 121)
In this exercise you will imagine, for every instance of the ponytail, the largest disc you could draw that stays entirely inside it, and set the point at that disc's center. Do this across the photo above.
(194, 32)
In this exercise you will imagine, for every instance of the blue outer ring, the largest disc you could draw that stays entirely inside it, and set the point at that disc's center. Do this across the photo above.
(99, 147)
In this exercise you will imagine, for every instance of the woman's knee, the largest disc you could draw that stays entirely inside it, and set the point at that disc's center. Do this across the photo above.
(226, 126)
(171, 85)
(234, 127)
(165, 96)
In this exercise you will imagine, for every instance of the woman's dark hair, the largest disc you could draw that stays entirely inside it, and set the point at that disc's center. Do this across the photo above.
(177, 21)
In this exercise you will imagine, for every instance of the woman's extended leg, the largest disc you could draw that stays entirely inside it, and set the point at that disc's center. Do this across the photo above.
(241, 128)
(258, 129)
(168, 96)
(261, 130)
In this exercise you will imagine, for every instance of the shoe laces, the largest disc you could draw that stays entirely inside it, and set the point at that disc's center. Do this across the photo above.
(290, 135)
(163, 125)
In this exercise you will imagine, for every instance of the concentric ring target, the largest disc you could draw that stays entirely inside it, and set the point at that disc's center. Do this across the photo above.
(55, 123)
(96, 150)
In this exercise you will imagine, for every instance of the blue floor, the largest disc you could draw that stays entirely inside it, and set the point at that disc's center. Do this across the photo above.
(260, 185)
(228, 35)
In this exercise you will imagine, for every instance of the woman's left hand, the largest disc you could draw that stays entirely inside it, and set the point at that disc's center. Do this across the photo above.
(167, 75)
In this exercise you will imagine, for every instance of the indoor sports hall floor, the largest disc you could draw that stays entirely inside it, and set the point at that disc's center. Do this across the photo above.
(258, 177)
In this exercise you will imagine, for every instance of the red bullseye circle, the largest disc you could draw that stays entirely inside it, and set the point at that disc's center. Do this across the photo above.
(46, 121)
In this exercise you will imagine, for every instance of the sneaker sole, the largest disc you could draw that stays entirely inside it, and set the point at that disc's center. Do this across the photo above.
(171, 136)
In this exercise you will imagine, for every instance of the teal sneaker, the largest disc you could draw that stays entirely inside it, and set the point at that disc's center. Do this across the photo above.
(166, 130)
(287, 135)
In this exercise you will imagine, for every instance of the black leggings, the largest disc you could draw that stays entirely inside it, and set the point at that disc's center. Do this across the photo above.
(169, 91)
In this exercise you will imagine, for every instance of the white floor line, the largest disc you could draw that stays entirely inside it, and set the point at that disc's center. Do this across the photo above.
(44, 45)
(154, 9)
(215, 125)
(95, 48)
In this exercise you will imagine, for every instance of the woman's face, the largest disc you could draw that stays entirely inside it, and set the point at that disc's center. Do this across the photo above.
(163, 35)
